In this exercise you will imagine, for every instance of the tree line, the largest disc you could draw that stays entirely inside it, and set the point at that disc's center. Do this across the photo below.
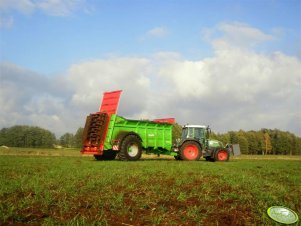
(36, 137)
(264, 141)
(72, 140)
(26, 136)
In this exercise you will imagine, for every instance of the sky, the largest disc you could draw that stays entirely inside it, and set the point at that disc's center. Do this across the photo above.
(225, 63)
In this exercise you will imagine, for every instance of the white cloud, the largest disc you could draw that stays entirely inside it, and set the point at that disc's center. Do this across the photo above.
(156, 32)
(239, 35)
(243, 33)
(22, 6)
(190, 78)
(29, 98)
(59, 7)
(49, 7)
(236, 88)
(91, 79)
(241, 90)
(6, 22)
(163, 56)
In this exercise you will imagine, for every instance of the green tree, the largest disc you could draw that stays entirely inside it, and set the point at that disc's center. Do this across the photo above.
(225, 138)
(213, 136)
(233, 137)
(78, 138)
(26, 136)
(267, 143)
(275, 139)
(67, 140)
(3, 136)
(291, 144)
(298, 146)
(176, 132)
(252, 142)
(243, 144)
(280, 142)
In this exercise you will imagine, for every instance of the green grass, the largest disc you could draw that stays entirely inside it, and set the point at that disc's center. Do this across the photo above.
(73, 190)
(40, 152)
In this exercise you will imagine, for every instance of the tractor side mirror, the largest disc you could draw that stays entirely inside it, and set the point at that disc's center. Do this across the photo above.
(209, 130)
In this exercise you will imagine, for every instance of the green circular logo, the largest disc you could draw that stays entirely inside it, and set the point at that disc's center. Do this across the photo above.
(282, 215)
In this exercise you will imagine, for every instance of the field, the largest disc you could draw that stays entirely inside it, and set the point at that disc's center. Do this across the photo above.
(59, 187)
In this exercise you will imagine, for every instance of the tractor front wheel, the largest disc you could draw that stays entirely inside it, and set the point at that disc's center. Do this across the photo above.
(190, 150)
(221, 155)
(131, 148)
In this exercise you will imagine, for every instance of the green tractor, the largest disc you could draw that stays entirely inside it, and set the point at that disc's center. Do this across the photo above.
(195, 143)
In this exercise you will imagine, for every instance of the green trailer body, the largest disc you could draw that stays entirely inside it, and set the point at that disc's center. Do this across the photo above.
(155, 136)
(105, 136)
(106, 133)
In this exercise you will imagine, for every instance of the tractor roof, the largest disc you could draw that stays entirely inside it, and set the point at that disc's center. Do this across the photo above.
(195, 126)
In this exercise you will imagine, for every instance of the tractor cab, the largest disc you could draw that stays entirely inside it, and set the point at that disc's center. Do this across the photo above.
(196, 132)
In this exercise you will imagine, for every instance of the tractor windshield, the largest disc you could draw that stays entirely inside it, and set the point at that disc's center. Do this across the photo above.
(197, 133)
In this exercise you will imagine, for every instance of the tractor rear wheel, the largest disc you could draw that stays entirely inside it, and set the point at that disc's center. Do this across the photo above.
(131, 148)
(190, 150)
(107, 155)
(221, 155)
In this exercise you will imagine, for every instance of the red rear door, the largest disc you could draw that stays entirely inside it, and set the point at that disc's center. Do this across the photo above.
(110, 102)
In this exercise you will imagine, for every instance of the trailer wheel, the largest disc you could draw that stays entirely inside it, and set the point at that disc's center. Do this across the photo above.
(221, 155)
(131, 148)
(190, 150)
(107, 155)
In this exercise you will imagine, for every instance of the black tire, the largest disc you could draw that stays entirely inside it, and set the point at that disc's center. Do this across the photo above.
(107, 155)
(208, 158)
(131, 148)
(190, 151)
(221, 155)
(177, 157)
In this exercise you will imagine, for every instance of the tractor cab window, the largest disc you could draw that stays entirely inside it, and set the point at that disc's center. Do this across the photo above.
(198, 133)
(184, 133)
(193, 132)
